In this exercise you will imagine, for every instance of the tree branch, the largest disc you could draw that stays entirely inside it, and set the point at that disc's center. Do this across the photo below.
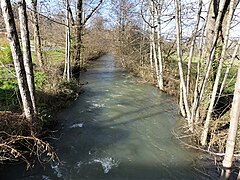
(144, 18)
(57, 22)
(93, 11)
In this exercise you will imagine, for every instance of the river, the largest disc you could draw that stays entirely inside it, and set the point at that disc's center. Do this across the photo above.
(118, 129)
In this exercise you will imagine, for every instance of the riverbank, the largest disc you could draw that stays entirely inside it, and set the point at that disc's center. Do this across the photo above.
(118, 129)
(218, 129)
(52, 95)
(19, 139)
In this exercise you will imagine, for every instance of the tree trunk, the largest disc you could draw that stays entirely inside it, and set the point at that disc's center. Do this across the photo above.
(37, 38)
(211, 56)
(218, 75)
(27, 57)
(181, 74)
(80, 22)
(155, 58)
(195, 104)
(66, 73)
(228, 69)
(181, 103)
(79, 28)
(193, 45)
(232, 133)
(160, 60)
(151, 38)
(17, 59)
(214, 12)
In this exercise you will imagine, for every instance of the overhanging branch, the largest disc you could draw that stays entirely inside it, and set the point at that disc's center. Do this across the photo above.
(93, 11)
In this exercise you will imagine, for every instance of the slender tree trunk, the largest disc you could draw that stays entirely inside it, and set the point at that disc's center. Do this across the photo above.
(68, 44)
(151, 37)
(211, 55)
(195, 104)
(80, 22)
(228, 69)
(232, 133)
(155, 58)
(17, 59)
(27, 57)
(193, 45)
(210, 26)
(219, 71)
(79, 28)
(160, 60)
(181, 103)
(37, 38)
(179, 53)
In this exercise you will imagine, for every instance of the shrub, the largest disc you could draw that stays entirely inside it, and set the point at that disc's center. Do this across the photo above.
(5, 54)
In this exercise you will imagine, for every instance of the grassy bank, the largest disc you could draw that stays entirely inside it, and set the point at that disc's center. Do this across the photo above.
(53, 93)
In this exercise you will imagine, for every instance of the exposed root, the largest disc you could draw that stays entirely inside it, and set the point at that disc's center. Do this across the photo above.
(193, 145)
(19, 143)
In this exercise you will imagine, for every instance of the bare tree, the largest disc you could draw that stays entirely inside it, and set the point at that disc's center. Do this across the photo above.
(68, 43)
(17, 59)
(219, 71)
(80, 22)
(181, 74)
(37, 38)
(27, 57)
(232, 133)
(160, 59)
(152, 40)
(191, 55)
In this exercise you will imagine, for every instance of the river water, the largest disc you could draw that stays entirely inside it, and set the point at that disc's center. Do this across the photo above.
(117, 129)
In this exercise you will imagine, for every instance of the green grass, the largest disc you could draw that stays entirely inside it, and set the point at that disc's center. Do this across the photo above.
(5, 54)
(8, 90)
(51, 56)
(52, 93)
(54, 56)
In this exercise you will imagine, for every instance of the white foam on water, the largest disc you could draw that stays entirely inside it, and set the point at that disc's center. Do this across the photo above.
(107, 163)
(79, 125)
(120, 105)
(45, 177)
(116, 95)
(79, 164)
(55, 167)
(98, 105)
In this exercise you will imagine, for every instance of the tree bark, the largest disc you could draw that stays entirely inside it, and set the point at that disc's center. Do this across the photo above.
(218, 75)
(66, 73)
(211, 55)
(152, 12)
(160, 59)
(181, 74)
(37, 37)
(17, 59)
(79, 26)
(27, 57)
(232, 133)
(193, 45)
(80, 22)
(196, 98)
(228, 69)
(151, 38)
(181, 103)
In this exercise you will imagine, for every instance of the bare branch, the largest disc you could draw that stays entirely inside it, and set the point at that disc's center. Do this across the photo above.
(93, 11)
